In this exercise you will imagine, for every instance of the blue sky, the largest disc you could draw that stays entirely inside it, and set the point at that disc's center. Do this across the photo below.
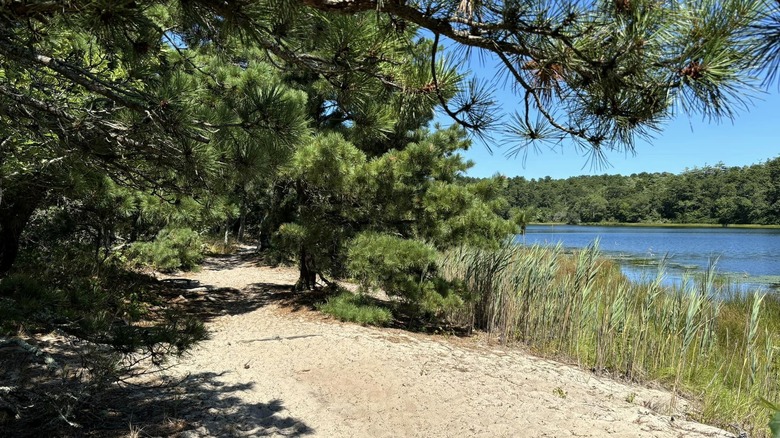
(684, 142)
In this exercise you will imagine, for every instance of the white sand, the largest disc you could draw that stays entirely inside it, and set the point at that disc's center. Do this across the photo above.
(278, 372)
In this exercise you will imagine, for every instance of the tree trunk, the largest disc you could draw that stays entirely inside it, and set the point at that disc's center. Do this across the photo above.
(16, 207)
(308, 271)
(264, 241)
(241, 222)
(135, 221)
(10, 231)
(306, 265)
(227, 232)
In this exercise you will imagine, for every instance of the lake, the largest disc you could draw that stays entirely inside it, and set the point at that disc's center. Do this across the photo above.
(750, 256)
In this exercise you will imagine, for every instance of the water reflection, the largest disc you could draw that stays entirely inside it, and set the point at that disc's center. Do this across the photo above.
(749, 258)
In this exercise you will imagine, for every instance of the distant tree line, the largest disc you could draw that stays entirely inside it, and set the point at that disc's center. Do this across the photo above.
(710, 194)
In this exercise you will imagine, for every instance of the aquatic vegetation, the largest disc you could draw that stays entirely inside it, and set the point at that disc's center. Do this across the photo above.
(702, 338)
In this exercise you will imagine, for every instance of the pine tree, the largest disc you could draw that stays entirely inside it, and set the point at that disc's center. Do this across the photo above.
(110, 81)
(352, 209)
(100, 87)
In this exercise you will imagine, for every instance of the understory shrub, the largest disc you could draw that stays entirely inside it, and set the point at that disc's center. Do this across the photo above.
(402, 268)
(172, 249)
(113, 323)
(356, 308)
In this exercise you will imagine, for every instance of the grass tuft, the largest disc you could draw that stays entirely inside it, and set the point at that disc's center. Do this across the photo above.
(356, 308)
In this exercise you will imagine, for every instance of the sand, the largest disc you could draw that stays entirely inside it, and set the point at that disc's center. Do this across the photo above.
(276, 368)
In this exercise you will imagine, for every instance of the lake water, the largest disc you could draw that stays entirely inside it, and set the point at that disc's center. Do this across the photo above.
(750, 256)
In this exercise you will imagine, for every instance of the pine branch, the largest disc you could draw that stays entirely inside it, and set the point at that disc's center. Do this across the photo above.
(96, 129)
(317, 64)
(453, 115)
(474, 33)
(130, 98)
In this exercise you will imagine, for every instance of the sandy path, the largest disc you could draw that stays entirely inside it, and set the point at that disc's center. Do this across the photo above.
(272, 371)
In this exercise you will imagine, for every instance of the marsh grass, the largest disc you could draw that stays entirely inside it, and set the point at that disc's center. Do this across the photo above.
(704, 339)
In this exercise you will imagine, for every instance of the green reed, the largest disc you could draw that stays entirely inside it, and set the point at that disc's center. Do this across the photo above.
(704, 339)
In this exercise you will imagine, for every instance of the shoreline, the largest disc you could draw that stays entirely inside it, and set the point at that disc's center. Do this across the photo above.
(662, 225)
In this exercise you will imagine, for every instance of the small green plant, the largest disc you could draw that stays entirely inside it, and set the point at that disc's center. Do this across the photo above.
(774, 421)
(356, 308)
(631, 397)
(21, 285)
(177, 248)
(404, 268)
(560, 392)
(23, 296)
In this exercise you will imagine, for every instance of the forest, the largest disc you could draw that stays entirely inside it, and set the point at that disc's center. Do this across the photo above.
(140, 136)
(708, 195)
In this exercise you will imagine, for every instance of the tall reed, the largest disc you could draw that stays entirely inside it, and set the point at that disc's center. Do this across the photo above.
(580, 306)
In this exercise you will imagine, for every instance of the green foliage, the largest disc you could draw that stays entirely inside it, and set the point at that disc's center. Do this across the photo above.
(328, 164)
(144, 124)
(412, 193)
(22, 295)
(175, 248)
(774, 422)
(110, 309)
(403, 268)
(356, 308)
(712, 194)
(21, 285)
(397, 265)
(113, 321)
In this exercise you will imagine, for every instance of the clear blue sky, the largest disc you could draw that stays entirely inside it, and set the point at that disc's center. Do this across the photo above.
(753, 136)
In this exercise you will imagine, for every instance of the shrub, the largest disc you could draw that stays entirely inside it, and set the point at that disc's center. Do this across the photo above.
(401, 267)
(397, 265)
(356, 308)
(177, 248)
(21, 285)
(20, 295)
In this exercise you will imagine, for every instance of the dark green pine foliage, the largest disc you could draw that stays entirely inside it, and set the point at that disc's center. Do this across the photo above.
(385, 218)
(371, 167)
(117, 146)
(315, 132)
(257, 123)
(773, 191)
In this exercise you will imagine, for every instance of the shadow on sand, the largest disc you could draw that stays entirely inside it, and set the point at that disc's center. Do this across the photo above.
(205, 401)
(56, 403)
(198, 406)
